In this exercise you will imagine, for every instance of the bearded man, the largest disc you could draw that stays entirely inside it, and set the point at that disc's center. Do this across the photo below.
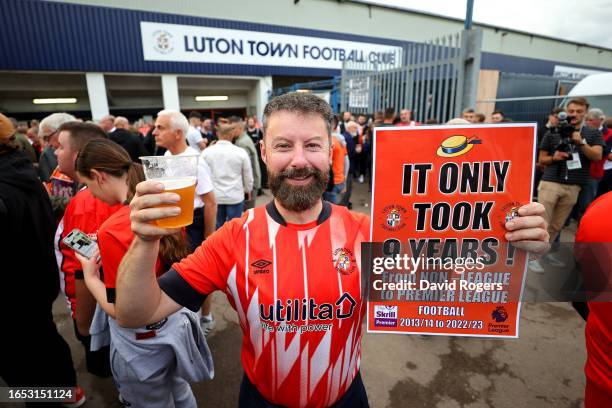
(279, 265)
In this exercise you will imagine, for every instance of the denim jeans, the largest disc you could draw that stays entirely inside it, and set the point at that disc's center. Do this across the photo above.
(586, 196)
(345, 200)
(332, 196)
(226, 212)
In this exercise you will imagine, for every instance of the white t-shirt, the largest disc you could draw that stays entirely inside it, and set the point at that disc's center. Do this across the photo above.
(193, 138)
(231, 171)
(204, 182)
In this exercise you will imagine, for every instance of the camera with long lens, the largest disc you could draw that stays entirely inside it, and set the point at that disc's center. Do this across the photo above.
(564, 129)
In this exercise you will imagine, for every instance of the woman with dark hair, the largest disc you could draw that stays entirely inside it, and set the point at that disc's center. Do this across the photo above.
(151, 365)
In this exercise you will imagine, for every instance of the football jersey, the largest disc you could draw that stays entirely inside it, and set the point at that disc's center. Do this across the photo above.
(114, 239)
(596, 262)
(297, 292)
(86, 213)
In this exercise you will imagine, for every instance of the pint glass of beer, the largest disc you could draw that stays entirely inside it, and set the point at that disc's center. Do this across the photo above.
(178, 174)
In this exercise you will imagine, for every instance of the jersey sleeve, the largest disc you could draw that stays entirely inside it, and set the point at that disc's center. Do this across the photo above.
(68, 263)
(204, 271)
(112, 251)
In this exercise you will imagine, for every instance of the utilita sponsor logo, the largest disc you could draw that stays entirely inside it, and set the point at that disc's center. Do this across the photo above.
(385, 316)
(302, 309)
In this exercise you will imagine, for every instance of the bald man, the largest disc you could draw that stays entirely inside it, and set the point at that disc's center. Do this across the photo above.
(131, 142)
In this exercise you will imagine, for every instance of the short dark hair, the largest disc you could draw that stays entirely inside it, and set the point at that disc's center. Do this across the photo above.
(299, 102)
(234, 119)
(498, 111)
(579, 101)
(556, 111)
(389, 113)
(468, 110)
(81, 133)
(195, 114)
(481, 117)
(335, 121)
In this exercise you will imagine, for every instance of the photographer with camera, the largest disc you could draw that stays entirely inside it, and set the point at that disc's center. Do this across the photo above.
(567, 151)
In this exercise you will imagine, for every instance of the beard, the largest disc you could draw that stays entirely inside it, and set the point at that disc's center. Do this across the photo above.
(301, 197)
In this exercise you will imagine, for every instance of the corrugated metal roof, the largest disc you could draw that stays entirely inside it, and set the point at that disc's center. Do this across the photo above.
(72, 37)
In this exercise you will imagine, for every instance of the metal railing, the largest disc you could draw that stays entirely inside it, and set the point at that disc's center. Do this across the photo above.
(426, 82)
(428, 78)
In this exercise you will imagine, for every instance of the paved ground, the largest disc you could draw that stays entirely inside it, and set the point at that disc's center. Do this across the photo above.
(543, 368)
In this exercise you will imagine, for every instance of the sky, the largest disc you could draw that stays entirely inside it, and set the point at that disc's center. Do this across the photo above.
(587, 21)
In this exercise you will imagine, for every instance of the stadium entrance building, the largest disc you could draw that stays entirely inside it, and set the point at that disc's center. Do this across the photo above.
(135, 57)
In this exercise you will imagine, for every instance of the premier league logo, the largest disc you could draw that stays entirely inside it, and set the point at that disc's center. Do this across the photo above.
(500, 314)
(163, 42)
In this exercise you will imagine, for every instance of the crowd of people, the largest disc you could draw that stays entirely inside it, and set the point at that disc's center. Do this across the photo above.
(141, 304)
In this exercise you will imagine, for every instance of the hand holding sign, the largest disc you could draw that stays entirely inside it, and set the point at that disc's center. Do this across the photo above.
(453, 198)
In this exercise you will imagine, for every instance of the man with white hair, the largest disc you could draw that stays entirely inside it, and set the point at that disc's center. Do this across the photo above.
(131, 142)
(61, 188)
(170, 132)
(47, 131)
(406, 118)
(469, 115)
(107, 123)
(595, 118)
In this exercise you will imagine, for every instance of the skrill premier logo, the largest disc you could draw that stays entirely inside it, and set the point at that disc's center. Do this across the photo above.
(385, 316)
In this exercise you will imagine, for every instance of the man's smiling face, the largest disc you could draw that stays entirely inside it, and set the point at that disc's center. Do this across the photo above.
(297, 152)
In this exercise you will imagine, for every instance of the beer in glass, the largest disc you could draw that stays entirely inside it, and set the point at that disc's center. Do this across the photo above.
(178, 174)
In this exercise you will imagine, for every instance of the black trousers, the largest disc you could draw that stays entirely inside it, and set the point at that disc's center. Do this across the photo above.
(97, 362)
(35, 354)
(195, 231)
(354, 397)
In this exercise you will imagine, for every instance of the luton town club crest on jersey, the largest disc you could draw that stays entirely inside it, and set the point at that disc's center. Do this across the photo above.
(344, 261)
(394, 217)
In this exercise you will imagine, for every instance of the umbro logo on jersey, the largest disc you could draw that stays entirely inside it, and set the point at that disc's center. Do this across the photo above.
(261, 266)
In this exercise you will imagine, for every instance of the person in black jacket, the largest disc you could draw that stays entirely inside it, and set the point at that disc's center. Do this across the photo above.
(131, 142)
(28, 229)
